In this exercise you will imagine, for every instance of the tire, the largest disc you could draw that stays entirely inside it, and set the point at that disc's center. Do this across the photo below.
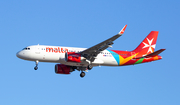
(90, 67)
(35, 68)
(82, 74)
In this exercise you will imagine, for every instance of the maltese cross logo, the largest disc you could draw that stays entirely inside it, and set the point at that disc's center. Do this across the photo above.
(149, 45)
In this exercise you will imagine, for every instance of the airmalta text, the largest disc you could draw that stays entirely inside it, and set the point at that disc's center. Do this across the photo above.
(56, 50)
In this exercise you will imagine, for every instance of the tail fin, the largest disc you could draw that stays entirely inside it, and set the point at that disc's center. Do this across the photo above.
(148, 45)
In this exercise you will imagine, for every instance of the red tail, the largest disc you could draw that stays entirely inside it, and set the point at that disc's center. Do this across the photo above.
(148, 45)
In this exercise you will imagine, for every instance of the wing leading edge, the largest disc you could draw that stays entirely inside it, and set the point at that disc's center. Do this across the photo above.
(93, 51)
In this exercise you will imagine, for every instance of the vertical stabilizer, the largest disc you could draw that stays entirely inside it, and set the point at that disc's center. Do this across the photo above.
(147, 46)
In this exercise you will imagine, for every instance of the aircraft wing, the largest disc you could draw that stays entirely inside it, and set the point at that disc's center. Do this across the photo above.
(93, 51)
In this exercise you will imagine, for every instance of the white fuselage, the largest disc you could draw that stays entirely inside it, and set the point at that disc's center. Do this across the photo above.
(56, 54)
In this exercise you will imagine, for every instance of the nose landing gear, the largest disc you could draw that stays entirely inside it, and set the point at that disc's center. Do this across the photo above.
(36, 67)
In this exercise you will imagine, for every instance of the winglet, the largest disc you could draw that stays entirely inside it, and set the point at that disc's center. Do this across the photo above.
(122, 31)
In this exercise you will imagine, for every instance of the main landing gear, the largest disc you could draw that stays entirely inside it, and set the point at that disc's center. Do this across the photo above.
(89, 67)
(82, 74)
(36, 67)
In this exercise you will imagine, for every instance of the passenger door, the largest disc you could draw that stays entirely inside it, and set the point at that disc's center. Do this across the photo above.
(37, 50)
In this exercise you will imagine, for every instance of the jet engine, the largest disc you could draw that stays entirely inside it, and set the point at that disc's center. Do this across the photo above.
(63, 69)
(73, 57)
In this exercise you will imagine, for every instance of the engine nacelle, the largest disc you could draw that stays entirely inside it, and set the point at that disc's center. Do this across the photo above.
(73, 57)
(63, 69)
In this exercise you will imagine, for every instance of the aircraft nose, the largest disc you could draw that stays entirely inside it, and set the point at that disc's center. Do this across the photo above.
(19, 54)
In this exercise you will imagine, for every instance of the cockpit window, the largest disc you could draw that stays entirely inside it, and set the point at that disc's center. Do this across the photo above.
(26, 48)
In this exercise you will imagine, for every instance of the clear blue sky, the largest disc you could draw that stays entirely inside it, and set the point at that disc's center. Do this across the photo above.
(80, 23)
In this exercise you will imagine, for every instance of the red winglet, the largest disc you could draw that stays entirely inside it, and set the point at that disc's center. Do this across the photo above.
(123, 29)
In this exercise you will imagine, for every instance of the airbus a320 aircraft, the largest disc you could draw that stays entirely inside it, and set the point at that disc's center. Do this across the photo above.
(70, 59)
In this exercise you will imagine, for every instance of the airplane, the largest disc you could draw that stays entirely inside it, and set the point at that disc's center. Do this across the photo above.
(70, 59)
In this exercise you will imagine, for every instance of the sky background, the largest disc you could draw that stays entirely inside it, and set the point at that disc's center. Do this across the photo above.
(82, 23)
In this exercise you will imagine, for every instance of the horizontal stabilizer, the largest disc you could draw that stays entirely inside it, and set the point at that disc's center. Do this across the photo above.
(153, 54)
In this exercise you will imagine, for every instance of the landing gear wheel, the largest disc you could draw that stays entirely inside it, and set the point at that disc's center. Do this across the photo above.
(82, 74)
(35, 68)
(90, 67)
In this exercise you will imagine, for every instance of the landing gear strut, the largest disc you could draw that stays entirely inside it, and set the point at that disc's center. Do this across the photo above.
(36, 67)
(82, 74)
